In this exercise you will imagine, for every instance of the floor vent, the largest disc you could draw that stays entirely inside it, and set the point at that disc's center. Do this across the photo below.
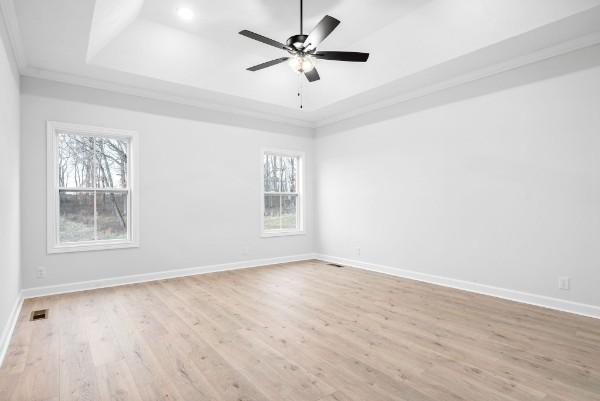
(334, 265)
(39, 314)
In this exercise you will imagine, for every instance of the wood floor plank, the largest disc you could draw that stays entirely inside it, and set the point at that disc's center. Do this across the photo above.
(115, 382)
(302, 331)
(40, 378)
(150, 380)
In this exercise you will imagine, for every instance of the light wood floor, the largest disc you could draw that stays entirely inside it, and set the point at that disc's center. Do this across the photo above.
(300, 332)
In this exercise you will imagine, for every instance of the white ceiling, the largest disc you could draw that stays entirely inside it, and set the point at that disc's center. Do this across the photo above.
(143, 43)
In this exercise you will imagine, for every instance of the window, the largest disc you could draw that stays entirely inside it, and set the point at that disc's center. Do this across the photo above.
(282, 193)
(92, 202)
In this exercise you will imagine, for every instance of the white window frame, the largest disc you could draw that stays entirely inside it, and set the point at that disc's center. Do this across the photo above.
(299, 203)
(53, 129)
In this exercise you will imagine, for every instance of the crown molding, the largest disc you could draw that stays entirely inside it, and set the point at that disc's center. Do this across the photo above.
(320, 120)
(88, 82)
(568, 35)
(47, 88)
(550, 68)
(11, 23)
(475, 75)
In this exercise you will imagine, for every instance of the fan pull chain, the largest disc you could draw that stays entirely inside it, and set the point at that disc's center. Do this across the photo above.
(300, 94)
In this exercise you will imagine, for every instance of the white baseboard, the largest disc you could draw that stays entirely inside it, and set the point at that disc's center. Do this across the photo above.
(140, 278)
(518, 296)
(9, 328)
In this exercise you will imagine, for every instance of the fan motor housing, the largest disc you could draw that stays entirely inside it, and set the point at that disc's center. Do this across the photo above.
(297, 41)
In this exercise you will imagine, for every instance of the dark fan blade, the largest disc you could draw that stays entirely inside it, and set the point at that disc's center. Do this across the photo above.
(312, 75)
(268, 64)
(342, 56)
(321, 31)
(264, 39)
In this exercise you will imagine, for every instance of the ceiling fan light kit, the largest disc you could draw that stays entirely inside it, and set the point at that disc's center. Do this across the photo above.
(302, 64)
(303, 49)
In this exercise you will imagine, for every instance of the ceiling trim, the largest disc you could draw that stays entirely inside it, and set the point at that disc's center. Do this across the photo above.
(499, 68)
(43, 88)
(11, 23)
(78, 80)
(550, 68)
(335, 118)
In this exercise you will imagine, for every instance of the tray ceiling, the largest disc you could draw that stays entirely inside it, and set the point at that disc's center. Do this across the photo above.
(144, 43)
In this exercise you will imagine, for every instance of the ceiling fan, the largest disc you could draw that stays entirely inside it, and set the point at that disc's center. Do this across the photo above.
(303, 48)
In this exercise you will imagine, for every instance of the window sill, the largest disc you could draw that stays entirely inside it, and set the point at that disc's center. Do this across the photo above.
(270, 234)
(89, 247)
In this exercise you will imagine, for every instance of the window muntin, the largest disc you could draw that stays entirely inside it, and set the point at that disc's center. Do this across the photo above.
(90, 192)
(282, 174)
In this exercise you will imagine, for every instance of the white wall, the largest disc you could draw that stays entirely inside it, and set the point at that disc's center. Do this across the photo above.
(200, 194)
(9, 188)
(502, 189)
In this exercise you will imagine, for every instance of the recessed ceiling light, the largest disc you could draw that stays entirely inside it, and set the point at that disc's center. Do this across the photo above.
(185, 13)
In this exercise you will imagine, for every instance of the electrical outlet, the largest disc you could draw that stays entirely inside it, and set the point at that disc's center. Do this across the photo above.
(40, 272)
(357, 251)
(564, 283)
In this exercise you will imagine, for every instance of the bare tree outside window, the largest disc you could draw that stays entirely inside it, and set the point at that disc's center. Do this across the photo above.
(93, 188)
(281, 192)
